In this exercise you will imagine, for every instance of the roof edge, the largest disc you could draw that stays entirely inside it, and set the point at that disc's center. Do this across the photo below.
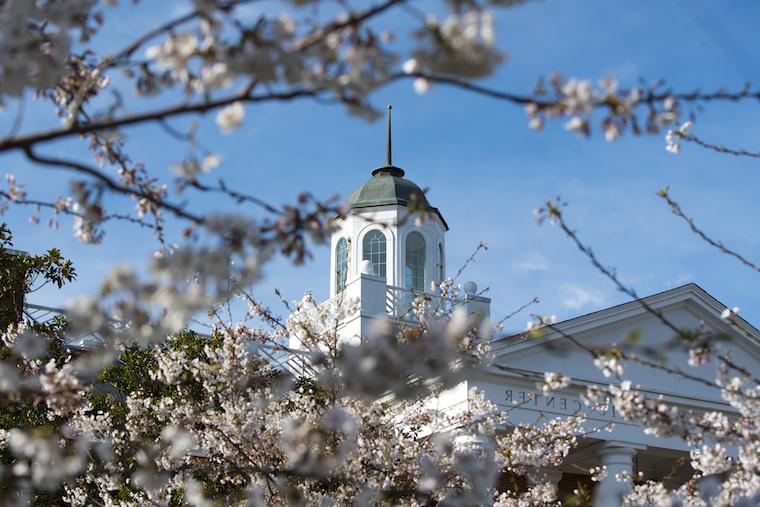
(429, 208)
(659, 299)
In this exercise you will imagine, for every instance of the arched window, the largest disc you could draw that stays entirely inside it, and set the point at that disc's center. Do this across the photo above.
(373, 250)
(441, 263)
(415, 261)
(341, 264)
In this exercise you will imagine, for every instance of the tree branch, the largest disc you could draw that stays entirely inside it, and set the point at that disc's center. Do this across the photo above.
(552, 211)
(110, 183)
(181, 109)
(316, 37)
(676, 209)
(67, 211)
(240, 197)
(246, 96)
(718, 147)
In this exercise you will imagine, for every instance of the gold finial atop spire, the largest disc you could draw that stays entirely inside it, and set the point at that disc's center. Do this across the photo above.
(388, 159)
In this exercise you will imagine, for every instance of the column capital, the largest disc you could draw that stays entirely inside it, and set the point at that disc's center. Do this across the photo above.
(620, 449)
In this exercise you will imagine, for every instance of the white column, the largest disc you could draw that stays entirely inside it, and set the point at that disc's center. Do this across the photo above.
(618, 459)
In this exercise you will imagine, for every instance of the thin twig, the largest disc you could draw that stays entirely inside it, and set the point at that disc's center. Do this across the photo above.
(316, 37)
(676, 209)
(552, 210)
(238, 196)
(68, 211)
(718, 147)
(481, 246)
(110, 183)
(555, 214)
(519, 310)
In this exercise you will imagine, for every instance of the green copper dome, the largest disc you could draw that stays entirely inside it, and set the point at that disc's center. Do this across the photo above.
(389, 187)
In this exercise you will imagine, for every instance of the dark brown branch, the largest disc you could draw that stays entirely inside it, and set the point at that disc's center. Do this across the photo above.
(676, 209)
(176, 134)
(70, 212)
(647, 99)
(318, 36)
(237, 196)
(472, 87)
(170, 25)
(180, 109)
(204, 107)
(110, 183)
(552, 210)
(246, 96)
(718, 147)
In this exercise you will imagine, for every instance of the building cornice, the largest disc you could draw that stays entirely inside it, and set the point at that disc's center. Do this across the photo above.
(690, 296)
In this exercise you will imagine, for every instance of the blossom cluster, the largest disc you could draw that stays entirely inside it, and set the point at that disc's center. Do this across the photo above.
(36, 40)
(153, 414)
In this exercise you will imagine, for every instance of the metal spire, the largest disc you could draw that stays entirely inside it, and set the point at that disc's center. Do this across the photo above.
(388, 168)
(388, 152)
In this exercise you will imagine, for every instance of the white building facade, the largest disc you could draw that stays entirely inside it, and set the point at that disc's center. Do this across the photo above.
(392, 245)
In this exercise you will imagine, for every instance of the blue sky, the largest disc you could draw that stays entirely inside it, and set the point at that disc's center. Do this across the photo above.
(486, 171)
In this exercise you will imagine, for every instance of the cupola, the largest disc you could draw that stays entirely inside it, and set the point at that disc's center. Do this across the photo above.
(391, 225)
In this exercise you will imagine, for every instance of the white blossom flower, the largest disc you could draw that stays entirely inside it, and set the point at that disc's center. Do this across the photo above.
(230, 117)
(576, 124)
(194, 494)
(421, 85)
(174, 53)
(411, 66)
(554, 381)
(190, 168)
(179, 441)
(611, 130)
(672, 136)
(609, 365)
(214, 76)
(671, 145)
(536, 123)
(710, 460)
(698, 356)
(598, 473)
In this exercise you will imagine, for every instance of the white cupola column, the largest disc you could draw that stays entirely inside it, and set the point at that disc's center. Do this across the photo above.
(617, 457)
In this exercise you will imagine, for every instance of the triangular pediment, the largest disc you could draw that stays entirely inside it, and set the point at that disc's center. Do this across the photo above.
(688, 307)
(681, 302)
